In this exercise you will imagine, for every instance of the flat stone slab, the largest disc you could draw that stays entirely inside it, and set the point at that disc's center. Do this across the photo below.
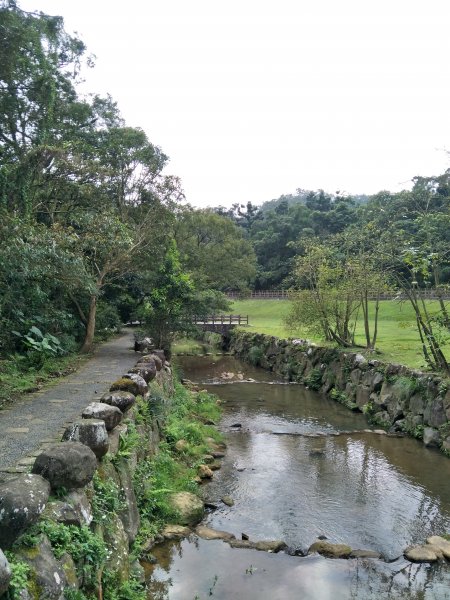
(421, 554)
(206, 533)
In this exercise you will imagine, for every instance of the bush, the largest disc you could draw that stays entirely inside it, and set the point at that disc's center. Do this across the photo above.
(255, 355)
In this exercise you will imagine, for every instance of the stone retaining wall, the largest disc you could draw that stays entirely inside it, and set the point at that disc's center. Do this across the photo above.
(60, 490)
(393, 396)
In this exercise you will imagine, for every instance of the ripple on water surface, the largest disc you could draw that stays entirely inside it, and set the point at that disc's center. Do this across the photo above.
(367, 490)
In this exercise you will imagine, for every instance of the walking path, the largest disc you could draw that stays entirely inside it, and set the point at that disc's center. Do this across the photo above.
(40, 419)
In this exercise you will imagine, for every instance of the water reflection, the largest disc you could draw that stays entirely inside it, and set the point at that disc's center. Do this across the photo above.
(367, 490)
(214, 570)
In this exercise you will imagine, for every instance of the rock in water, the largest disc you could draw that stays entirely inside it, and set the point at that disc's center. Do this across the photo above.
(441, 543)
(188, 506)
(421, 554)
(69, 464)
(330, 550)
(22, 500)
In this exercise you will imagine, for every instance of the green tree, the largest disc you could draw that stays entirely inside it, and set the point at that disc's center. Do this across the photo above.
(214, 250)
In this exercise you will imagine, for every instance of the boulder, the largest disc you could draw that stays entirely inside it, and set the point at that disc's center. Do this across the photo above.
(204, 472)
(228, 500)
(5, 573)
(127, 384)
(175, 532)
(145, 370)
(189, 507)
(69, 464)
(330, 550)
(22, 500)
(152, 358)
(362, 396)
(441, 543)
(160, 354)
(91, 433)
(70, 571)
(75, 509)
(206, 533)
(122, 399)
(434, 413)
(143, 345)
(431, 437)
(421, 554)
(111, 415)
(417, 404)
(48, 576)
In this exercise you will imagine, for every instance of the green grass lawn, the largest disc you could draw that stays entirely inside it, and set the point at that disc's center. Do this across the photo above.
(398, 340)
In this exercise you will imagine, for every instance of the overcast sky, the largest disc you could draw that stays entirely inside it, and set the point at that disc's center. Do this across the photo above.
(253, 99)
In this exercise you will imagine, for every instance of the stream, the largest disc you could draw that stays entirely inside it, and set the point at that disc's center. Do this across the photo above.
(299, 466)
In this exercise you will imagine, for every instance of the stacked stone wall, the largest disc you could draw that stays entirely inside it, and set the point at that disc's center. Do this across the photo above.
(393, 396)
(60, 490)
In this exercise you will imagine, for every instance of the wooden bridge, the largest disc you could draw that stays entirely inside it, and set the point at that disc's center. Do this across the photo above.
(220, 323)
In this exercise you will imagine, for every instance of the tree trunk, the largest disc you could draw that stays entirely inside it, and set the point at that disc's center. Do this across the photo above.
(90, 327)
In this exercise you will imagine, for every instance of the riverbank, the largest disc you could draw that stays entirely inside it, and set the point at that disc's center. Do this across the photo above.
(393, 396)
(98, 500)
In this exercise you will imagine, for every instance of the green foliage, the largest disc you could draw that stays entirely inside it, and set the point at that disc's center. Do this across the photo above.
(86, 548)
(255, 355)
(19, 577)
(114, 589)
(405, 387)
(107, 499)
(314, 379)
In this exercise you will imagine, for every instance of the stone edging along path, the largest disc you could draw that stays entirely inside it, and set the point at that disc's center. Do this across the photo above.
(39, 419)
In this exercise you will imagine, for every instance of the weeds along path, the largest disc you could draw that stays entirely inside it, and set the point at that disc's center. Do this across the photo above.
(39, 419)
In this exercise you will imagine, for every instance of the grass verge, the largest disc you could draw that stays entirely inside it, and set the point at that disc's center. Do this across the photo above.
(398, 339)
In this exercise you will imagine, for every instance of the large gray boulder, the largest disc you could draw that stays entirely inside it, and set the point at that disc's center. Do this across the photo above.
(22, 500)
(5, 573)
(68, 464)
(111, 415)
(47, 574)
(121, 399)
(91, 433)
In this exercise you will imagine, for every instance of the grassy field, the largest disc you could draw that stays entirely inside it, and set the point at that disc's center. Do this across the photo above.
(398, 340)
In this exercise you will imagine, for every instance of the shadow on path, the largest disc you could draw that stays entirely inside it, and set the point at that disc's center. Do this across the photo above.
(40, 418)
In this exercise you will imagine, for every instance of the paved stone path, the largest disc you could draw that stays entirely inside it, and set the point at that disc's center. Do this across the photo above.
(39, 419)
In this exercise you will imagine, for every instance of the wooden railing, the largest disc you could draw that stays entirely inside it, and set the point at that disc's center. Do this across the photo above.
(429, 294)
(221, 320)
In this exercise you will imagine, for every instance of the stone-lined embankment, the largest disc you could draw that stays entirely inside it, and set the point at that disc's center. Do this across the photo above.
(396, 397)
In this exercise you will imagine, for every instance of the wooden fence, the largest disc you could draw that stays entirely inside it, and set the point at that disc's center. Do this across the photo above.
(429, 294)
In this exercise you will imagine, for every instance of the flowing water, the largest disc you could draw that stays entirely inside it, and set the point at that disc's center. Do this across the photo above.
(299, 466)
